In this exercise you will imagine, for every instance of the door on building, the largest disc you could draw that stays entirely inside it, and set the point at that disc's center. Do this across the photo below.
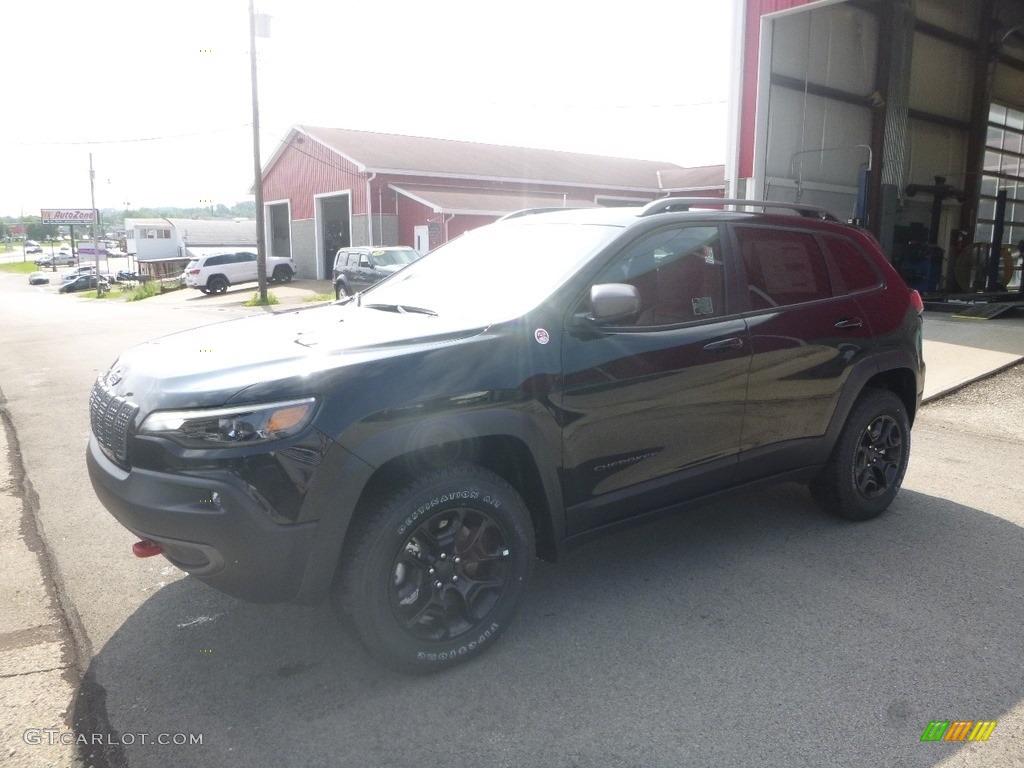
(280, 236)
(335, 233)
(421, 239)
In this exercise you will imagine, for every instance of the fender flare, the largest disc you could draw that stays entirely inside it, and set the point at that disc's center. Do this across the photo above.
(893, 359)
(352, 467)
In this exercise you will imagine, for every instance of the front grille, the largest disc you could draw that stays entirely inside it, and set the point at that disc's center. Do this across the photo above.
(111, 416)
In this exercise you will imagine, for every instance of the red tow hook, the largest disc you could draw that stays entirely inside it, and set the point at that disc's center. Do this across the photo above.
(146, 548)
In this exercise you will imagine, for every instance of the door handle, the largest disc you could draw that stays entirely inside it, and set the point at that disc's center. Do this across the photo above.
(734, 342)
(849, 322)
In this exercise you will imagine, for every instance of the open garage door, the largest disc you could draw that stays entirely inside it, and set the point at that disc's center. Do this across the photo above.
(334, 213)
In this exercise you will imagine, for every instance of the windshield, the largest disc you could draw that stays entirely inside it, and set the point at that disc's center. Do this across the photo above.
(395, 258)
(494, 273)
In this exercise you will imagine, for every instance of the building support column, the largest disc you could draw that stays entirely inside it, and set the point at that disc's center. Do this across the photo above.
(889, 128)
(981, 96)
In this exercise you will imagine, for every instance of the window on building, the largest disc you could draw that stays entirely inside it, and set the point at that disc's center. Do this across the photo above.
(1004, 169)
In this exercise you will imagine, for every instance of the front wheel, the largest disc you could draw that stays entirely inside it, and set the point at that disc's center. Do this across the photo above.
(282, 275)
(866, 468)
(435, 575)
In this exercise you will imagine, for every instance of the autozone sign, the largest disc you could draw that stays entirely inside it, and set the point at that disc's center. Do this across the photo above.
(68, 216)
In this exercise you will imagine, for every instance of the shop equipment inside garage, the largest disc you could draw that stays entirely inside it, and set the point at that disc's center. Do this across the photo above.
(904, 116)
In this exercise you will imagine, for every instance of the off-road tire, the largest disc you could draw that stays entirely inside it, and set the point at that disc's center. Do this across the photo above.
(867, 465)
(435, 574)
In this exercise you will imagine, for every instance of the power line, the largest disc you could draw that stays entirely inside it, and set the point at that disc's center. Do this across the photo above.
(127, 141)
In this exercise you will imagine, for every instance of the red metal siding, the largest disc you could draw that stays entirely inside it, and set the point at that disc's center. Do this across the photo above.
(411, 214)
(755, 10)
(308, 169)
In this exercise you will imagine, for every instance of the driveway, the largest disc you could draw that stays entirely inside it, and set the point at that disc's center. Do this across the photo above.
(749, 632)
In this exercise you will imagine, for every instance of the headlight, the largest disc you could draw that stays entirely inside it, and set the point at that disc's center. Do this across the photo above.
(228, 427)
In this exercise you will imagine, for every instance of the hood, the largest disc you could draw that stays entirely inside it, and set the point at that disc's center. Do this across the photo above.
(210, 365)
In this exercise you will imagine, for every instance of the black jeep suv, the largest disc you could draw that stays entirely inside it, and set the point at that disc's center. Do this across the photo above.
(520, 389)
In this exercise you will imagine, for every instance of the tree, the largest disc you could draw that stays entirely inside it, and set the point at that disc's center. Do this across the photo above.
(40, 232)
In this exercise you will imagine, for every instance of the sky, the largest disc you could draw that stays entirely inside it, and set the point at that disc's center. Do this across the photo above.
(160, 94)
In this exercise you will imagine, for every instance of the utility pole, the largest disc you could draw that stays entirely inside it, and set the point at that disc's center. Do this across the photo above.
(261, 246)
(95, 223)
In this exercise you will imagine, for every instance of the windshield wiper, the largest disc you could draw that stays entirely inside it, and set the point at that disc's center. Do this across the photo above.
(403, 309)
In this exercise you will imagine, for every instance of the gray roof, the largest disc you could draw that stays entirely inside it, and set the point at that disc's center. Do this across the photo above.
(698, 177)
(215, 233)
(485, 202)
(445, 158)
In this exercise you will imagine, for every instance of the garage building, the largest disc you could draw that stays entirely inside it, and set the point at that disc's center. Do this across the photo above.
(327, 188)
(906, 115)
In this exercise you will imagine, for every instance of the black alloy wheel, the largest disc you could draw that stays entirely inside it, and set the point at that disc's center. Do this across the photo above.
(217, 285)
(435, 575)
(879, 457)
(282, 275)
(867, 465)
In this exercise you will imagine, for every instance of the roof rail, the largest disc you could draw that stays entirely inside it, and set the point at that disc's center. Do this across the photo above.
(531, 211)
(673, 204)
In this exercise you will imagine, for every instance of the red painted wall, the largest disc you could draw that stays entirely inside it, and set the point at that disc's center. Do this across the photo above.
(308, 169)
(755, 9)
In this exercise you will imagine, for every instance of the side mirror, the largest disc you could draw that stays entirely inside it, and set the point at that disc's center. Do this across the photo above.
(612, 302)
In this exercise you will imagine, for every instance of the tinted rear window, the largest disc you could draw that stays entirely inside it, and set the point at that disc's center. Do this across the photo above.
(852, 264)
(783, 267)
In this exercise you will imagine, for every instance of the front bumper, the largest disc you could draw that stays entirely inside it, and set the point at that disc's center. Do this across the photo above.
(210, 527)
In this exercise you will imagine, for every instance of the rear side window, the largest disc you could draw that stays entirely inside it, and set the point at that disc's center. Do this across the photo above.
(783, 267)
(215, 261)
(353, 258)
(853, 266)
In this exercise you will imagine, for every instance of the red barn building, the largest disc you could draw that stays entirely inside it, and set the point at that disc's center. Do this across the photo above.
(326, 188)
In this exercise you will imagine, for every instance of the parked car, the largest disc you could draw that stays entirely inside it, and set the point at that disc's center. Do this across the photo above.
(356, 269)
(38, 278)
(124, 276)
(31, 246)
(83, 283)
(519, 390)
(217, 272)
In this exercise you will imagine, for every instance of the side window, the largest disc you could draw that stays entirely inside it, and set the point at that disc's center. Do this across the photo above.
(783, 267)
(679, 274)
(353, 258)
(852, 264)
(214, 261)
(248, 256)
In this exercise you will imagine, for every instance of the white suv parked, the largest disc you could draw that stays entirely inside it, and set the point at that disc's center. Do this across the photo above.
(215, 273)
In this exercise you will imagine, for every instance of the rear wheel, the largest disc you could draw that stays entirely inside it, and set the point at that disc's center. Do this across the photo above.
(867, 465)
(432, 577)
(217, 285)
(340, 290)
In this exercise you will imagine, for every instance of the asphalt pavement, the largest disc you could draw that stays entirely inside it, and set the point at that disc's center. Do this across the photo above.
(787, 639)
